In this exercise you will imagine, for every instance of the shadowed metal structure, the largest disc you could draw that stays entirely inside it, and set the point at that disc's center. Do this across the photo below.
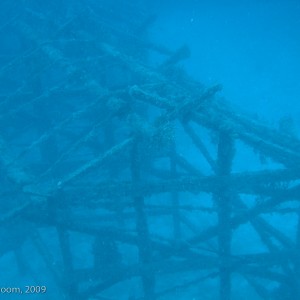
(125, 180)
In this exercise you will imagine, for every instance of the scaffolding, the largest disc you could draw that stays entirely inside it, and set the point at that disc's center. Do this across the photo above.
(120, 176)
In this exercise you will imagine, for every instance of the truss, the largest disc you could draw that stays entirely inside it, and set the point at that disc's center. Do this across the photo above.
(121, 180)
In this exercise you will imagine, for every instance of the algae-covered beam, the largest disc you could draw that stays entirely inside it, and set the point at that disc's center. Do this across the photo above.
(266, 183)
(274, 136)
(208, 115)
(219, 122)
(96, 162)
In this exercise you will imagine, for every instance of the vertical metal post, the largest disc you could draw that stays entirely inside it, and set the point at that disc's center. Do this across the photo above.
(174, 197)
(69, 286)
(297, 259)
(223, 200)
(144, 246)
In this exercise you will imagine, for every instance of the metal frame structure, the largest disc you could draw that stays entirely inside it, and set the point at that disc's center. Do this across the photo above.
(123, 178)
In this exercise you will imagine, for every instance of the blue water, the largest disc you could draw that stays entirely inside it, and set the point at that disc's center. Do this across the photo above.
(250, 47)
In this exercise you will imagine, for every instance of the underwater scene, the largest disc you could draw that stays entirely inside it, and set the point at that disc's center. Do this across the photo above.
(149, 150)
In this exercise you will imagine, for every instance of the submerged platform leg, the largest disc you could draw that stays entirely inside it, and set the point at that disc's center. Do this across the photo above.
(223, 201)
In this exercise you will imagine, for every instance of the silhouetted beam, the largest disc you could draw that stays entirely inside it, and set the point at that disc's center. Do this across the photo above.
(260, 289)
(187, 166)
(263, 273)
(272, 231)
(48, 259)
(159, 267)
(264, 258)
(198, 143)
(185, 285)
(266, 230)
(65, 246)
(297, 256)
